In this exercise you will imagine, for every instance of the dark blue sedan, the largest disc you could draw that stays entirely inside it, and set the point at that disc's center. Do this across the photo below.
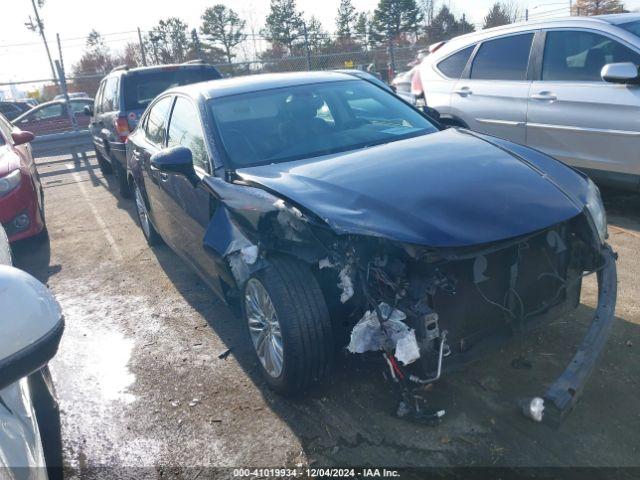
(333, 213)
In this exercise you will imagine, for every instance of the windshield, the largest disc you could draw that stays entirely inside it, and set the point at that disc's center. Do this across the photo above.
(306, 121)
(633, 27)
(142, 87)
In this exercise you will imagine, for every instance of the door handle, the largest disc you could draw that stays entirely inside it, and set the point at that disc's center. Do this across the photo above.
(544, 96)
(463, 92)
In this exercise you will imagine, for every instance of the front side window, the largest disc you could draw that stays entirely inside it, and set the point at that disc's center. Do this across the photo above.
(305, 121)
(503, 59)
(573, 55)
(97, 105)
(185, 130)
(78, 107)
(156, 121)
(453, 66)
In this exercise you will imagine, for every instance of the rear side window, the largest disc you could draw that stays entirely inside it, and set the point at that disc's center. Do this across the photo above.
(503, 59)
(453, 66)
(580, 56)
(110, 95)
(142, 87)
(156, 121)
(185, 130)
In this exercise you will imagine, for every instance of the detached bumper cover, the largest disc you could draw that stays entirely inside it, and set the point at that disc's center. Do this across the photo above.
(562, 396)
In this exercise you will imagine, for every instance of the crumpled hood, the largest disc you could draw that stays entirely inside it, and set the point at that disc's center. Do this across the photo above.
(446, 189)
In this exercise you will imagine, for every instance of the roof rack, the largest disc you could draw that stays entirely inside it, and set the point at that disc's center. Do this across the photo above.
(120, 67)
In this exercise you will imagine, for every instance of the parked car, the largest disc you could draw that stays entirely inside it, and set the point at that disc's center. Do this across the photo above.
(12, 110)
(324, 206)
(569, 87)
(52, 117)
(122, 97)
(21, 194)
(31, 324)
(72, 95)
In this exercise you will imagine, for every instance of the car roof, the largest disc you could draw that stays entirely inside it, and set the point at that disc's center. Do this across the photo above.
(604, 22)
(225, 87)
(124, 70)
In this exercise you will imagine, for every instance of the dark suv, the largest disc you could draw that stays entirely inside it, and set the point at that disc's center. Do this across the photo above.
(122, 97)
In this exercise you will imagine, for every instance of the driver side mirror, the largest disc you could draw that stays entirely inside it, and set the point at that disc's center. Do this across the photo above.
(31, 324)
(22, 137)
(176, 159)
(88, 110)
(623, 73)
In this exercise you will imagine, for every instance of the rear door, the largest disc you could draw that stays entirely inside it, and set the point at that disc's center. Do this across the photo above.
(577, 117)
(95, 124)
(492, 95)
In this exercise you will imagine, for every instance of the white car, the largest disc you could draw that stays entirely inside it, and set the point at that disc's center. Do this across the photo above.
(569, 87)
(31, 326)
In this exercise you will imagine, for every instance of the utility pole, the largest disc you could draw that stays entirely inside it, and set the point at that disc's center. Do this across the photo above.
(65, 92)
(40, 27)
(526, 14)
(142, 50)
(392, 57)
(61, 64)
(306, 45)
(196, 43)
(464, 21)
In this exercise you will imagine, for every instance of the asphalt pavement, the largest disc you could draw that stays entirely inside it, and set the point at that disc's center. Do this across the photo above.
(141, 383)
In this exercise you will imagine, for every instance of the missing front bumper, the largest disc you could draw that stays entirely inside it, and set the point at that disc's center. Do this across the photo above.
(561, 397)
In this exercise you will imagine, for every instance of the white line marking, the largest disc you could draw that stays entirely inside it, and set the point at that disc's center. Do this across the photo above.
(101, 223)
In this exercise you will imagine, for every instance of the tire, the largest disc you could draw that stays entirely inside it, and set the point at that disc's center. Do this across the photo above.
(150, 234)
(302, 319)
(122, 181)
(103, 163)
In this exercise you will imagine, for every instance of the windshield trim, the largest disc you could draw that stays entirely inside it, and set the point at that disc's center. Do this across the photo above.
(229, 164)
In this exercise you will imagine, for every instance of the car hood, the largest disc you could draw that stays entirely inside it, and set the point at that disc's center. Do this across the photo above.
(447, 189)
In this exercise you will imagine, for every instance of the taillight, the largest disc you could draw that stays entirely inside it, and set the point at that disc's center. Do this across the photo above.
(122, 128)
(416, 84)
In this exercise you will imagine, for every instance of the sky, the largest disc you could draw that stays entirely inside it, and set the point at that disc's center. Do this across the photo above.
(22, 54)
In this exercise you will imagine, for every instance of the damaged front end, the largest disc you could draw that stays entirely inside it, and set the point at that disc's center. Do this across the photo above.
(425, 310)
(430, 310)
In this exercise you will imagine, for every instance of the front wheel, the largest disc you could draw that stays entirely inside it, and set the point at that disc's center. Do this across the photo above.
(289, 326)
(122, 180)
(150, 234)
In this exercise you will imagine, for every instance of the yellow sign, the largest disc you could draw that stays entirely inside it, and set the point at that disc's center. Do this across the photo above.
(348, 64)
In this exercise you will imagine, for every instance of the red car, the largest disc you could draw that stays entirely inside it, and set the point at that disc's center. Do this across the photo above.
(21, 195)
(52, 117)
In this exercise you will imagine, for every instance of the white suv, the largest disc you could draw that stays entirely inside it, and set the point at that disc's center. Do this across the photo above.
(569, 87)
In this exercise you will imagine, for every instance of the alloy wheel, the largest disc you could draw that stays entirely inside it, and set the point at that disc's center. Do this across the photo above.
(264, 327)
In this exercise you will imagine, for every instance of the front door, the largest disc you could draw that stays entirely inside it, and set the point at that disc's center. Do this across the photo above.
(492, 98)
(153, 141)
(574, 115)
(190, 206)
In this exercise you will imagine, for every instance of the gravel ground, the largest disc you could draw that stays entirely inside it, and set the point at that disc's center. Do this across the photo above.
(140, 382)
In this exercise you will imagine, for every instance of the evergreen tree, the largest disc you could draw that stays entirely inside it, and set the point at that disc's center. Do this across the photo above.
(284, 24)
(316, 35)
(169, 41)
(221, 26)
(393, 17)
(346, 19)
(498, 15)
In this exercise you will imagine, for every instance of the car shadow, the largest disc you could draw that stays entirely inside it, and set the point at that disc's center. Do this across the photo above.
(349, 418)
